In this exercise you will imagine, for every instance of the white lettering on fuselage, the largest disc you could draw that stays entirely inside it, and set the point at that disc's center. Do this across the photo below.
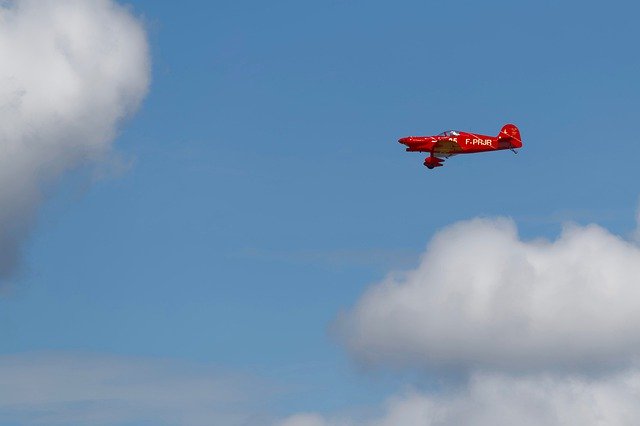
(482, 142)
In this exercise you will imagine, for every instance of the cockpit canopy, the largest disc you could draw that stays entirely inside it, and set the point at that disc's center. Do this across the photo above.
(450, 133)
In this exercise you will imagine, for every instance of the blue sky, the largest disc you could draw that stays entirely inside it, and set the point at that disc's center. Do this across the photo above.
(267, 191)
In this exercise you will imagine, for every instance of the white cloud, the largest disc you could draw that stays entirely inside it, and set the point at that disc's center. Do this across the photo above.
(62, 388)
(70, 71)
(495, 400)
(304, 419)
(483, 298)
(548, 332)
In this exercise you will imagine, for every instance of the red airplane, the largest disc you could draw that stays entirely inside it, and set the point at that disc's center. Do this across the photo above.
(450, 143)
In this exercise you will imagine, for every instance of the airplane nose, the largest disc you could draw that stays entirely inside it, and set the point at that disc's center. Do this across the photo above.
(403, 141)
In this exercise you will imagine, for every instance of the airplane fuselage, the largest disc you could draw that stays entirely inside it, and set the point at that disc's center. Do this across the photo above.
(465, 143)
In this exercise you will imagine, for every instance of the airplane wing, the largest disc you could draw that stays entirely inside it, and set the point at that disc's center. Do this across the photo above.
(447, 147)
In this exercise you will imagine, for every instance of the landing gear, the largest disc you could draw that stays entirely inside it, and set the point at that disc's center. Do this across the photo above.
(432, 162)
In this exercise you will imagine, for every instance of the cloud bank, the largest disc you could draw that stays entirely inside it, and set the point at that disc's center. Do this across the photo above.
(482, 298)
(70, 72)
(494, 399)
(64, 389)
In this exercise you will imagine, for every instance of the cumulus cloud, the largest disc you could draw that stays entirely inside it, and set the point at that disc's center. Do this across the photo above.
(484, 298)
(63, 388)
(494, 399)
(70, 72)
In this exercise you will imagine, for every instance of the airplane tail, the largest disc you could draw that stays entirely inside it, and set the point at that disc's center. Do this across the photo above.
(510, 135)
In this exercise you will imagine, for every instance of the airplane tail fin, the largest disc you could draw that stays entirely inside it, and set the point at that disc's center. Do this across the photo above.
(511, 135)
